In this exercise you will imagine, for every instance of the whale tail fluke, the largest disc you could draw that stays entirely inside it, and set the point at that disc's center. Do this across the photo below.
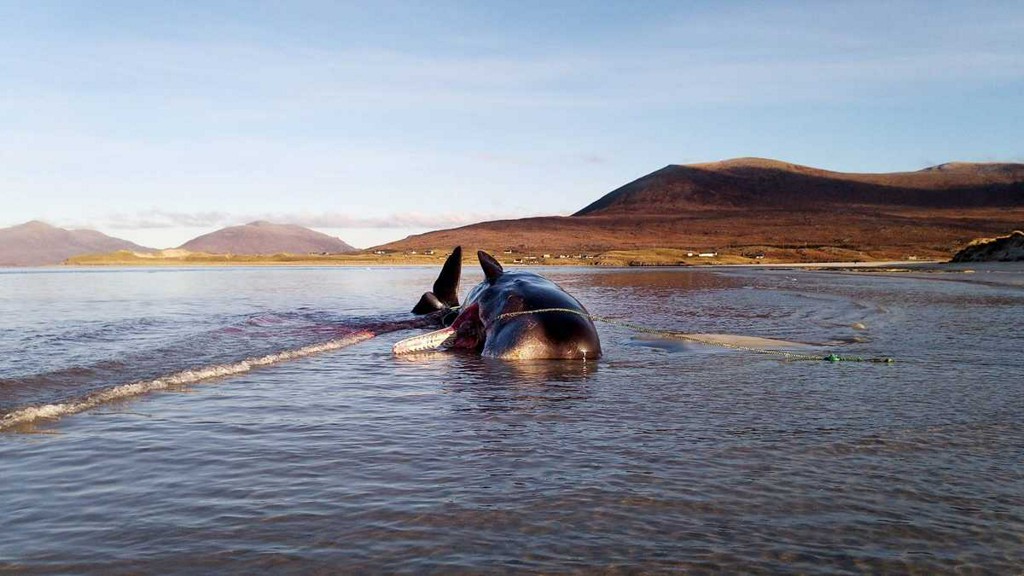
(445, 293)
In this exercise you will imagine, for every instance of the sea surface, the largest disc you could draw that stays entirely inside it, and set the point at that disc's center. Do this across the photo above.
(235, 420)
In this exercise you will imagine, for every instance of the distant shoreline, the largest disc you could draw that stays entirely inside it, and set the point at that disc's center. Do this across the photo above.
(433, 263)
(652, 258)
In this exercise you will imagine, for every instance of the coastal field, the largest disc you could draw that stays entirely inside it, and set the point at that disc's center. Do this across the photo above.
(765, 255)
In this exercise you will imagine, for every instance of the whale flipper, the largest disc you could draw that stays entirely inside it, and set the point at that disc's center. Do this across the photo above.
(428, 303)
(446, 288)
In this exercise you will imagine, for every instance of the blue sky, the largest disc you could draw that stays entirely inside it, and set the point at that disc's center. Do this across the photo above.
(159, 121)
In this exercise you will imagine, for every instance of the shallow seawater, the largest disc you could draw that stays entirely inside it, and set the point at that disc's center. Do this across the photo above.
(663, 456)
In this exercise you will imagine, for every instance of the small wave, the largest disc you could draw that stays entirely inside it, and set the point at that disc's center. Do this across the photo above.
(31, 414)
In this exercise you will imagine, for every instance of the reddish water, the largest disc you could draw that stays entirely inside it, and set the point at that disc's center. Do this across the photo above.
(663, 456)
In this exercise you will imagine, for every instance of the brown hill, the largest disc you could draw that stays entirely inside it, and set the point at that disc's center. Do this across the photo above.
(39, 244)
(788, 212)
(267, 238)
(756, 182)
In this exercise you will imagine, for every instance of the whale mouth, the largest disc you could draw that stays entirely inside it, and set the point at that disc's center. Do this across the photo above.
(423, 342)
(467, 332)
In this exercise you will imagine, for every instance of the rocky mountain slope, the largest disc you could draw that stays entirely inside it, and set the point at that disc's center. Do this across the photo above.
(754, 206)
(39, 244)
(267, 238)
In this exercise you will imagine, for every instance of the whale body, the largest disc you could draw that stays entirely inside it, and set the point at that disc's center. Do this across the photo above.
(510, 315)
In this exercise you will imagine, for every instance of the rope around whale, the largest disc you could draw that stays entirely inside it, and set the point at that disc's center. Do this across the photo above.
(831, 357)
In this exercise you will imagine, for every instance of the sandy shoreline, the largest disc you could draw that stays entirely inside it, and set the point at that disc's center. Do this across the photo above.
(879, 264)
(900, 264)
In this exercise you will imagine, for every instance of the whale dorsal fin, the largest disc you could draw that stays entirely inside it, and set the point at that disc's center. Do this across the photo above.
(492, 268)
(446, 287)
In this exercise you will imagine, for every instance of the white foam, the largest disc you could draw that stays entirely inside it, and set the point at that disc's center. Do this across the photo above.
(53, 411)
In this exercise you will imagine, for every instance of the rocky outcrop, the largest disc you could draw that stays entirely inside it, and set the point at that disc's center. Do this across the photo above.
(1003, 249)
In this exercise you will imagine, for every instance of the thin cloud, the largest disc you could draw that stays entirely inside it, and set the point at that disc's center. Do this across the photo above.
(151, 219)
(747, 65)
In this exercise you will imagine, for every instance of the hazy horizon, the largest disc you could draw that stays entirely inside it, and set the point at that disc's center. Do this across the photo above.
(157, 123)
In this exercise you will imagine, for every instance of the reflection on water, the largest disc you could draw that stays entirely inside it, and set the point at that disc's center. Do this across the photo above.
(661, 457)
(496, 385)
(651, 281)
(519, 373)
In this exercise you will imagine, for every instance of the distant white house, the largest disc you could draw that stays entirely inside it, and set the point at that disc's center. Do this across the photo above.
(707, 254)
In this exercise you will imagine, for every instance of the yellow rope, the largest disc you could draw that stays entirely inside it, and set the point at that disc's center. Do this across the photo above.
(690, 338)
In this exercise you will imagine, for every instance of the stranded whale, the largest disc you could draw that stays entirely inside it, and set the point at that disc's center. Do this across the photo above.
(511, 315)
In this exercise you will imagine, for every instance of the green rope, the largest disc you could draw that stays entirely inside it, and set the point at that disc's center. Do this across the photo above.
(831, 357)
